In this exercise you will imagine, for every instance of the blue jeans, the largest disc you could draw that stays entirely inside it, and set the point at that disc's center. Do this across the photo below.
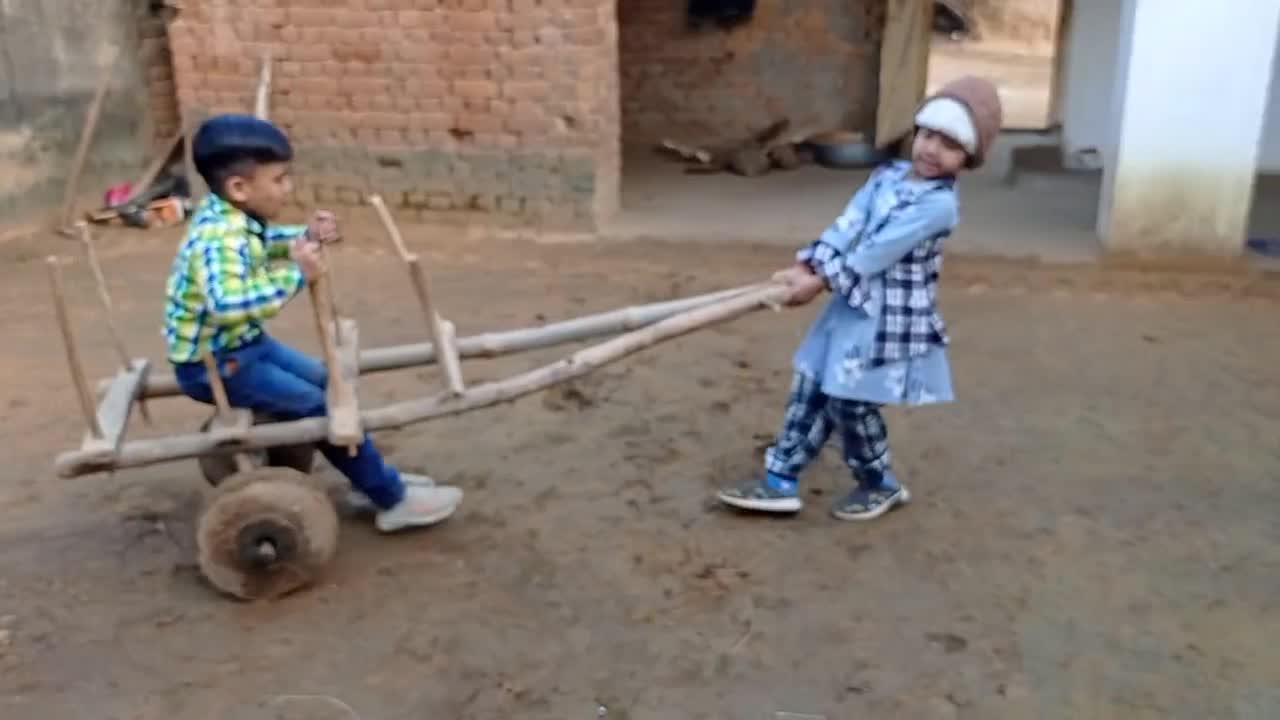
(270, 377)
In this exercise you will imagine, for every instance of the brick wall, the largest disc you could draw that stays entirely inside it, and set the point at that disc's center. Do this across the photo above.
(815, 61)
(157, 69)
(504, 107)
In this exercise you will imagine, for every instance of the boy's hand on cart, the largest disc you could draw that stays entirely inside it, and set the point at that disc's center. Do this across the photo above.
(323, 228)
(306, 253)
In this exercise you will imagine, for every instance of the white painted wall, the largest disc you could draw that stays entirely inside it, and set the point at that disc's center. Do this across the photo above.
(1093, 44)
(1110, 104)
(1269, 156)
(1191, 110)
(1093, 56)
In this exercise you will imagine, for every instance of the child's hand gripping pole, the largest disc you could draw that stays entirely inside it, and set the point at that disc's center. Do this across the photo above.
(443, 333)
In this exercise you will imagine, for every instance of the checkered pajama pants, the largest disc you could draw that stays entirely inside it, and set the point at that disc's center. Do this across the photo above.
(812, 417)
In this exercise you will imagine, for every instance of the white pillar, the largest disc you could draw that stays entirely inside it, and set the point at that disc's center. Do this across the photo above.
(1190, 99)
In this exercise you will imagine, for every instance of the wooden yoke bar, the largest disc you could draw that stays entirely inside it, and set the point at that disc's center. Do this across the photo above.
(443, 334)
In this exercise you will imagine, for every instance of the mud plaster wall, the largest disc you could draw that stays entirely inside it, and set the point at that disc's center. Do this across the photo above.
(49, 67)
(446, 107)
(815, 61)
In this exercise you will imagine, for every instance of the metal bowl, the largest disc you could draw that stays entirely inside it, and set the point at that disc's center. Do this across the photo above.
(845, 151)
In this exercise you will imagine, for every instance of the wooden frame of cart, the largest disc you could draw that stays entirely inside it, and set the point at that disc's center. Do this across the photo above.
(268, 527)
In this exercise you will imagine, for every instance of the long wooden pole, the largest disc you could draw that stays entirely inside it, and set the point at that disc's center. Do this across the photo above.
(507, 342)
(262, 100)
(157, 165)
(150, 452)
(104, 293)
(440, 336)
(78, 379)
(92, 115)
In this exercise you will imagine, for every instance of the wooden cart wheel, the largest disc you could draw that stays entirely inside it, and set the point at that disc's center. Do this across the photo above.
(266, 533)
(216, 468)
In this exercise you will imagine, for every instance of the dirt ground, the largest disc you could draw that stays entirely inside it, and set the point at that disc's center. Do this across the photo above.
(1094, 537)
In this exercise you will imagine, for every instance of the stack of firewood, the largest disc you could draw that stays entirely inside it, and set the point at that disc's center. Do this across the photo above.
(776, 147)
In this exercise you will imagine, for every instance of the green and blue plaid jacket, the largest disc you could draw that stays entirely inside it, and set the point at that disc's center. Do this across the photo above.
(224, 283)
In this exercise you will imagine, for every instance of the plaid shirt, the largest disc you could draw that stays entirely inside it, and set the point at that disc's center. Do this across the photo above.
(893, 229)
(223, 284)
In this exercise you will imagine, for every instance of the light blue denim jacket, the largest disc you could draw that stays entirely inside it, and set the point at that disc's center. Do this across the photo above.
(880, 338)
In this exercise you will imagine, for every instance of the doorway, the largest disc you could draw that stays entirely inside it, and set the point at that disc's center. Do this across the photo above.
(1017, 43)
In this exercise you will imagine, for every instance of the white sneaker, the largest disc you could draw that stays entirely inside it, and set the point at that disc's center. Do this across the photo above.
(421, 506)
(359, 502)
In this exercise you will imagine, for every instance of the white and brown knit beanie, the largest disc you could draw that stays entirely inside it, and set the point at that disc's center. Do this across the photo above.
(967, 110)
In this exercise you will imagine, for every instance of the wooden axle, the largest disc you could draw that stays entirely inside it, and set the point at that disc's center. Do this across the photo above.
(160, 450)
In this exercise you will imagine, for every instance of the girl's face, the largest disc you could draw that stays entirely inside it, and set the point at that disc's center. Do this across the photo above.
(936, 155)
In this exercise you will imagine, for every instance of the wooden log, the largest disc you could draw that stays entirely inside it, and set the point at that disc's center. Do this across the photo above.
(262, 100)
(334, 310)
(150, 452)
(686, 152)
(507, 342)
(342, 400)
(157, 165)
(78, 378)
(227, 417)
(448, 353)
(92, 116)
(113, 411)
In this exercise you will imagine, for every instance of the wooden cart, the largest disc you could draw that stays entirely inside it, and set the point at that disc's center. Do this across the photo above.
(268, 527)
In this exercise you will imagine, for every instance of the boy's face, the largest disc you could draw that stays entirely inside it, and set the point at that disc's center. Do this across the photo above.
(936, 155)
(263, 191)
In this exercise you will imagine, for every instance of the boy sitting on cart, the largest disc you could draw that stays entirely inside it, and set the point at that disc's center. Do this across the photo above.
(233, 271)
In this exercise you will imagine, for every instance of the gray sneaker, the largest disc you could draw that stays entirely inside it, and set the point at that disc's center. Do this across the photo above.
(761, 496)
(870, 503)
(420, 507)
